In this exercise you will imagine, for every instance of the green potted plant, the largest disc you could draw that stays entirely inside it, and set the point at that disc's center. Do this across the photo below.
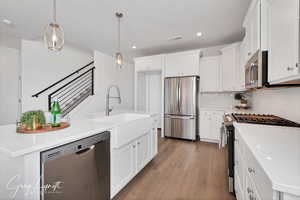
(33, 120)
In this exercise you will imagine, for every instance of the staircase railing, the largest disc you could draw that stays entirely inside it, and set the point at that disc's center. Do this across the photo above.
(71, 94)
(61, 80)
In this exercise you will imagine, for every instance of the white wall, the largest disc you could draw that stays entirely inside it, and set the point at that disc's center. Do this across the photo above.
(149, 92)
(153, 92)
(107, 74)
(283, 102)
(41, 68)
(9, 85)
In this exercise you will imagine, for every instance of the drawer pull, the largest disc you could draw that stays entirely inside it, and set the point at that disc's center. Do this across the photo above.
(249, 191)
(251, 170)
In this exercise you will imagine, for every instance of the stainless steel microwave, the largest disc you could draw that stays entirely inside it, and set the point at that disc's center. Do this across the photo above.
(256, 73)
(256, 70)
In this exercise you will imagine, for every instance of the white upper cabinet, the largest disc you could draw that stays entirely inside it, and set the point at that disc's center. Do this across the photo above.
(283, 40)
(210, 74)
(182, 64)
(253, 29)
(230, 68)
(149, 63)
(240, 75)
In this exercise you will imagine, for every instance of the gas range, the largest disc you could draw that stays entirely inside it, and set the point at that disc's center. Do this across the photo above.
(263, 119)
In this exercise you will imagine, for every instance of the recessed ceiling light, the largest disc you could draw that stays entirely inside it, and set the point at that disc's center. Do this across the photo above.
(199, 34)
(134, 47)
(7, 22)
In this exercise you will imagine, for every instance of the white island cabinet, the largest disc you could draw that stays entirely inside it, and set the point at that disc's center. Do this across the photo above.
(267, 164)
(128, 160)
(133, 146)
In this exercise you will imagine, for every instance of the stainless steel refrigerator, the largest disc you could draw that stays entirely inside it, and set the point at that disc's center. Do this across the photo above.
(181, 107)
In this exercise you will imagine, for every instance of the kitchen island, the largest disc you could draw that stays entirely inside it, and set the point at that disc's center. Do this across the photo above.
(20, 153)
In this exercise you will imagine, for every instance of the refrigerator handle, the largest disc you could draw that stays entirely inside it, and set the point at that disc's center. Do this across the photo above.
(179, 96)
(179, 117)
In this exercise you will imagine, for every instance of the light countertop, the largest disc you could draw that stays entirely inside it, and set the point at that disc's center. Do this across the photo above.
(277, 150)
(15, 144)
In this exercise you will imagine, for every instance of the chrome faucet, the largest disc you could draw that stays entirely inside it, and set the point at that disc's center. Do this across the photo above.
(108, 97)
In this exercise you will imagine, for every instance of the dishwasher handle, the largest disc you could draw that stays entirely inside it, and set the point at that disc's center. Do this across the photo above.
(77, 147)
(86, 150)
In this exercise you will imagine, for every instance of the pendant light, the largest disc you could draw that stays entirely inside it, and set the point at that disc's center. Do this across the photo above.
(53, 34)
(119, 57)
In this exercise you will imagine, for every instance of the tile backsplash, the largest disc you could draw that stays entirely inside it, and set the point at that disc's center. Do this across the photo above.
(216, 100)
(284, 102)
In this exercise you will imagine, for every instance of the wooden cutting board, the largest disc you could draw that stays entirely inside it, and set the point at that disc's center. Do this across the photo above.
(63, 125)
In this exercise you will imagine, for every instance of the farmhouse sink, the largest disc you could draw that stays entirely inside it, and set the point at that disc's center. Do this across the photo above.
(126, 127)
(121, 118)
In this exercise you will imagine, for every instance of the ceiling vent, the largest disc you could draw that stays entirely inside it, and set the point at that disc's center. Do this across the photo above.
(177, 37)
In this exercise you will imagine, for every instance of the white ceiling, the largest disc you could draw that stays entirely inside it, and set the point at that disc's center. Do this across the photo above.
(147, 24)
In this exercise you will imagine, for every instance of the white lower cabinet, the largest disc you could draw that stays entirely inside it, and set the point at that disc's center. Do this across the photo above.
(143, 150)
(210, 123)
(130, 159)
(251, 181)
(251, 192)
(238, 188)
(123, 166)
(154, 142)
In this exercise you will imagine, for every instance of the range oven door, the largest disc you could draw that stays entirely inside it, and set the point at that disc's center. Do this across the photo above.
(230, 156)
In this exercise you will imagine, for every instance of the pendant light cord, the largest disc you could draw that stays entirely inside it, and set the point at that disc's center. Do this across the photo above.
(119, 34)
(54, 11)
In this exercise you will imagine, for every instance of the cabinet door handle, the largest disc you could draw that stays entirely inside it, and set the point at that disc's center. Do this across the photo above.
(138, 143)
(133, 146)
(251, 170)
(289, 68)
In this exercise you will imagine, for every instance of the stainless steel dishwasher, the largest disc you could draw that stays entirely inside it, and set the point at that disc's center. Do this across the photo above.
(78, 170)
